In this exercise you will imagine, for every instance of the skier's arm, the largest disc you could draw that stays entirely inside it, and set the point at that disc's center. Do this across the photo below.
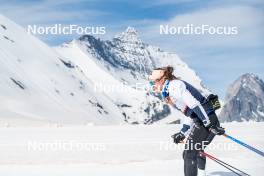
(187, 126)
(191, 102)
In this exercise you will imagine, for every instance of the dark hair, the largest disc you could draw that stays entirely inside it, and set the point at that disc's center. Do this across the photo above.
(168, 73)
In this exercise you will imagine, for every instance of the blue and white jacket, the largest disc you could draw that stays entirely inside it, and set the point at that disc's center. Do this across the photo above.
(188, 100)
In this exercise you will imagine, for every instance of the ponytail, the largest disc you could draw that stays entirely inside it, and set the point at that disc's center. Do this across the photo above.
(168, 73)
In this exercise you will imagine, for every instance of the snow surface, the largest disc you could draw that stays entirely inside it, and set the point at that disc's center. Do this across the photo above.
(138, 150)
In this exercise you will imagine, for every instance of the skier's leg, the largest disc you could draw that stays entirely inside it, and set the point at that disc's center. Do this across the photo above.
(199, 135)
(190, 163)
(193, 145)
(201, 160)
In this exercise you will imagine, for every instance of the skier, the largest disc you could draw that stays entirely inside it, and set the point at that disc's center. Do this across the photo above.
(201, 123)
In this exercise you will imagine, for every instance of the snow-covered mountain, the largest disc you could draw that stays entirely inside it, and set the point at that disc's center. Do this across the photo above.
(38, 85)
(126, 61)
(87, 80)
(244, 100)
(129, 59)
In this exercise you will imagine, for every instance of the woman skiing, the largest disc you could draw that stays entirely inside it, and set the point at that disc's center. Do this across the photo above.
(201, 123)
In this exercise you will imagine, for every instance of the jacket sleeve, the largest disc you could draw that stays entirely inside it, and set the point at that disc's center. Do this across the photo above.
(187, 126)
(183, 94)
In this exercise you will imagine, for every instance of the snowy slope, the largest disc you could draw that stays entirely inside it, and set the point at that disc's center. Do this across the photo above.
(38, 85)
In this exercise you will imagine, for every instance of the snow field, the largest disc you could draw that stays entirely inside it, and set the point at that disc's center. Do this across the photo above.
(118, 150)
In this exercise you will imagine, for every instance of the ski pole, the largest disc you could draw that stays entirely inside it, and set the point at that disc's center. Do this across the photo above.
(245, 145)
(224, 164)
(227, 168)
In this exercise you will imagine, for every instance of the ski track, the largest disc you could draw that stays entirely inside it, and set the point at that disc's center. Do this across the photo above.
(130, 150)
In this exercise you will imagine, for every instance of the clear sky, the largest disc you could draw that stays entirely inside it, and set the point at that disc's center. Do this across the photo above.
(217, 59)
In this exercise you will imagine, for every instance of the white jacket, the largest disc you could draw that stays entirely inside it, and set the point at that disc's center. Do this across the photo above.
(185, 96)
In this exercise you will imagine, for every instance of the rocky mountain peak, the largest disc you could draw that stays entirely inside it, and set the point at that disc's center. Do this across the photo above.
(86, 38)
(247, 82)
(124, 51)
(244, 100)
(130, 35)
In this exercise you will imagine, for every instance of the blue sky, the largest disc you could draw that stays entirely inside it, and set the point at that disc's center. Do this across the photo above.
(217, 59)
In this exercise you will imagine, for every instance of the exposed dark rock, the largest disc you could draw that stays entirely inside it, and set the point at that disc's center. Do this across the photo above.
(4, 27)
(67, 64)
(98, 105)
(57, 91)
(7, 38)
(124, 106)
(18, 83)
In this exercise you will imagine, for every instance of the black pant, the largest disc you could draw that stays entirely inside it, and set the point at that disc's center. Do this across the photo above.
(198, 139)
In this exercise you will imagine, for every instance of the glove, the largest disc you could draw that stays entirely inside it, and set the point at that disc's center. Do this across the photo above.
(217, 130)
(178, 137)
